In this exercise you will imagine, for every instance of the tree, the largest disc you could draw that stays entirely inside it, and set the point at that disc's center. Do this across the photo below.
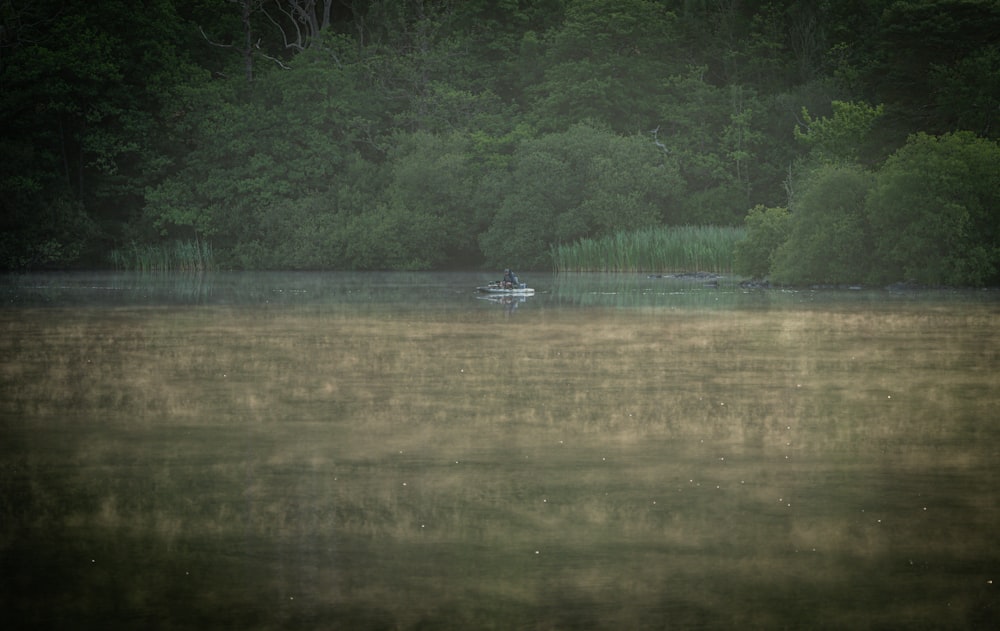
(584, 182)
(432, 183)
(928, 44)
(255, 151)
(767, 230)
(828, 238)
(603, 63)
(291, 131)
(86, 89)
(967, 93)
(713, 133)
(841, 137)
(301, 22)
(935, 211)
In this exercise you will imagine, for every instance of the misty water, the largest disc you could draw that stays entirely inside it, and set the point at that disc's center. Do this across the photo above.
(394, 451)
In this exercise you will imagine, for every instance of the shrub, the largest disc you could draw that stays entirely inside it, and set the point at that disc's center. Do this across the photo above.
(828, 238)
(935, 211)
(767, 229)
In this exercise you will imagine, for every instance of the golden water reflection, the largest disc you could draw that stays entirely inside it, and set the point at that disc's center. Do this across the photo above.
(318, 468)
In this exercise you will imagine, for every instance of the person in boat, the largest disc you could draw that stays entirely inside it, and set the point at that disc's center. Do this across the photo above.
(510, 280)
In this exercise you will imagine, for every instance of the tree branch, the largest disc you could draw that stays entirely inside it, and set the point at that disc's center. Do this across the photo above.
(656, 140)
(302, 16)
(297, 42)
(280, 63)
(209, 40)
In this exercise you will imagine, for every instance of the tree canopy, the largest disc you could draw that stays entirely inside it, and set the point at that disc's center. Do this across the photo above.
(432, 134)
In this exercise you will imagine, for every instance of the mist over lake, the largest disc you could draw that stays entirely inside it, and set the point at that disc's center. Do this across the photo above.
(394, 451)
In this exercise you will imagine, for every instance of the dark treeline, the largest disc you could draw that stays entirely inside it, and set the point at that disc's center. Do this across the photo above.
(375, 134)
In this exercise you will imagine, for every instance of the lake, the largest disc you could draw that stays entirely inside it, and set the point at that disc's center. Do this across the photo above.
(391, 451)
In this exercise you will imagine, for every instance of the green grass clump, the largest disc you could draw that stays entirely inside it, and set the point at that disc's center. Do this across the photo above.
(659, 249)
(184, 256)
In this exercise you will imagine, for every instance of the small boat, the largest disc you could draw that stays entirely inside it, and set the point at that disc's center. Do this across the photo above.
(498, 288)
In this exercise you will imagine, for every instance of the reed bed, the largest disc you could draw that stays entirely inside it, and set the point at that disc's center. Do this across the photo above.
(658, 249)
(192, 255)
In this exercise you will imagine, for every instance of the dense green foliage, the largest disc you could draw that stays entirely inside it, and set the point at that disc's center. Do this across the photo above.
(438, 134)
(929, 215)
(827, 240)
(766, 230)
(934, 211)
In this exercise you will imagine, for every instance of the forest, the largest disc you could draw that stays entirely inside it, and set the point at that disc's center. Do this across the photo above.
(855, 140)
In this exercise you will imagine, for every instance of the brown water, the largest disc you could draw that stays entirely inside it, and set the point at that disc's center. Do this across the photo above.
(604, 455)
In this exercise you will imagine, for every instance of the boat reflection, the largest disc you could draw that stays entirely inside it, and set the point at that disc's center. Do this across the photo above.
(510, 302)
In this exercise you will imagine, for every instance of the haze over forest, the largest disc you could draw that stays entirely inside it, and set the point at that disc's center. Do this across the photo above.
(423, 134)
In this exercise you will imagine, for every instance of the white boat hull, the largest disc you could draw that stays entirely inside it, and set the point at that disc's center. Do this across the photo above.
(500, 291)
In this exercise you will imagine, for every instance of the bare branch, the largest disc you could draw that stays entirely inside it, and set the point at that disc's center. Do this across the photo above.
(209, 40)
(297, 42)
(280, 63)
(656, 140)
(301, 15)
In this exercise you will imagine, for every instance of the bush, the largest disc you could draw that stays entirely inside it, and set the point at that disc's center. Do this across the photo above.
(935, 211)
(767, 229)
(828, 240)
(58, 236)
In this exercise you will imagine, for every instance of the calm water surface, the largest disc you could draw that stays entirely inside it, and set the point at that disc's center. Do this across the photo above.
(391, 451)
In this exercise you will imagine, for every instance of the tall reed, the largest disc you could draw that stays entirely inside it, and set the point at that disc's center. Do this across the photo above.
(657, 249)
(192, 255)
